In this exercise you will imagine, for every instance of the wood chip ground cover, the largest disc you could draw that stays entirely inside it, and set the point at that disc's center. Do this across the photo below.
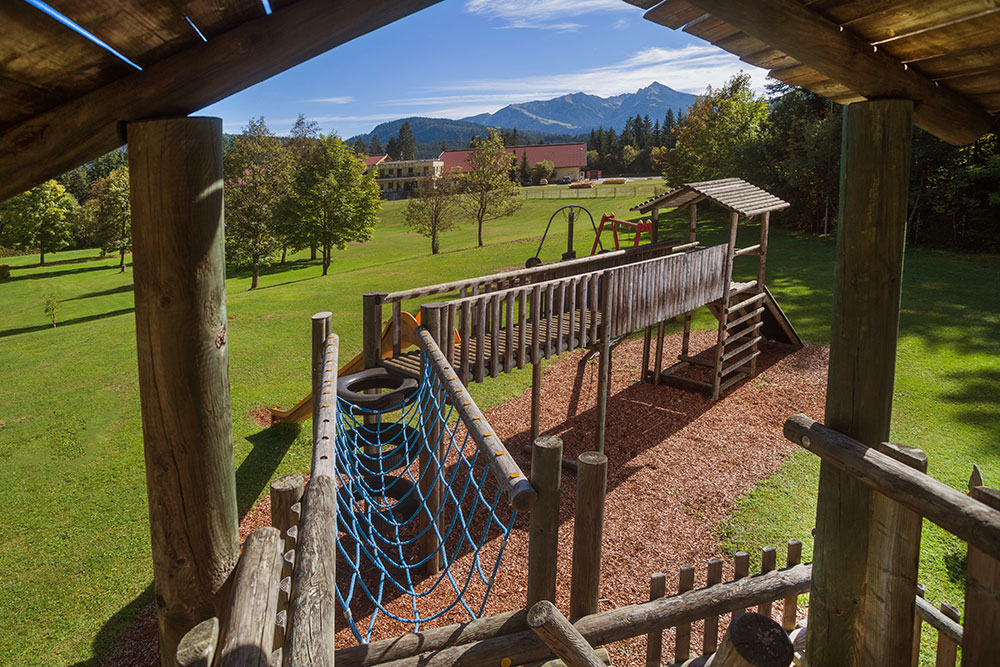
(677, 464)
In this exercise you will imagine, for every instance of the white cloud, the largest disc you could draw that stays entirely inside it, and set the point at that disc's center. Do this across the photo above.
(620, 24)
(541, 13)
(346, 99)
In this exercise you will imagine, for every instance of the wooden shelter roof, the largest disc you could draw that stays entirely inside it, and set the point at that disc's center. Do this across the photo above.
(733, 194)
(943, 54)
(64, 98)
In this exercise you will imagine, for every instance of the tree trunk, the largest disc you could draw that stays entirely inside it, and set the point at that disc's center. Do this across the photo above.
(326, 259)
(256, 276)
(41, 257)
(284, 253)
(434, 242)
(312, 253)
(121, 263)
(480, 232)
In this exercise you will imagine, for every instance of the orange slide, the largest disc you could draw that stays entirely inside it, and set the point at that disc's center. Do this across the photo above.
(407, 337)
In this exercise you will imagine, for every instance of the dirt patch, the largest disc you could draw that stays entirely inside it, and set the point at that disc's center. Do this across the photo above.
(677, 464)
(260, 415)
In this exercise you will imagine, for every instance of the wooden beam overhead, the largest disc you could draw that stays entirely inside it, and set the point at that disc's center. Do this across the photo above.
(846, 58)
(89, 126)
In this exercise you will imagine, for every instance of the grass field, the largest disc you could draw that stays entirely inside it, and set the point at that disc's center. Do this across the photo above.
(75, 567)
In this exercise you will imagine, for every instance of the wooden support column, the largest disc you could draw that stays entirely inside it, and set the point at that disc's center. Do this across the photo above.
(875, 161)
(536, 398)
(371, 324)
(727, 279)
(321, 326)
(180, 311)
(654, 217)
(692, 237)
(754, 641)
(765, 222)
(604, 361)
(543, 526)
(588, 528)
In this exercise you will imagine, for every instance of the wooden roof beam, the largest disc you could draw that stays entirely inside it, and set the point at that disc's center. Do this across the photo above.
(89, 126)
(841, 55)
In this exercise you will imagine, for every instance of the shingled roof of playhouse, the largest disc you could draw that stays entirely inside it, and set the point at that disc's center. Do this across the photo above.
(733, 194)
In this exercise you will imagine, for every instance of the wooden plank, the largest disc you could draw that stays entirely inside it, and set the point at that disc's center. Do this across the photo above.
(177, 238)
(144, 32)
(522, 318)
(216, 16)
(673, 13)
(976, 32)
(843, 56)
(509, 351)
(741, 569)
(465, 333)
(573, 342)
(584, 296)
(654, 640)
(790, 606)
(494, 331)
(481, 335)
(710, 636)
(682, 643)
(754, 641)
(947, 649)
(961, 63)
(549, 313)
(560, 317)
(88, 125)
(39, 52)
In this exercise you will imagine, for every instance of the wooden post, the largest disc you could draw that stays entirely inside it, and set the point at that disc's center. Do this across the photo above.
(768, 561)
(654, 217)
(247, 638)
(654, 640)
(790, 606)
(543, 525)
(658, 356)
(982, 596)
(765, 220)
(560, 636)
(753, 641)
(875, 160)
(947, 648)
(711, 634)
(321, 326)
(371, 324)
(604, 361)
(646, 341)
(430, 465)
(198, 646)
(727, 279)
(917, 623)
(536, 398)
(591, 485)
(692, 237)
(894, 559)
(180, 311)
(286, 496)
(682, 639)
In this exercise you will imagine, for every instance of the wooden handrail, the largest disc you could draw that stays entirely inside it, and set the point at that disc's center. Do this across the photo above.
(505, 470)
(967, 518)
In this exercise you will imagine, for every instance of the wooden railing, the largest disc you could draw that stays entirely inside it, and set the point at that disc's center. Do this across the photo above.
(974, 518)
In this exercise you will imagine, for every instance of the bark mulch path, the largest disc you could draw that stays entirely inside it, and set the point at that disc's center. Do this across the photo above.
(677, 464)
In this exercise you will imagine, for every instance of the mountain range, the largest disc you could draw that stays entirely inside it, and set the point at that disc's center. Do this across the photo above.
(561, 118)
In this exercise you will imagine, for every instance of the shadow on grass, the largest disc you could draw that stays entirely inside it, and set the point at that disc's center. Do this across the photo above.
(63, 262)
(121, 289)
(254, 474)
(112, 630)
(16, 275)
(76, 320)
(979, 396)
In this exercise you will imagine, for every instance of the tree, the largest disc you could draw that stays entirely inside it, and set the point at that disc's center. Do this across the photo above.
(542, 170)
(360, 147)
(434, 208)
(407, 142)
(336, 198)
(392, 148)
(113, 217)
(714, 138)
(258, 172)
(524, 171)
(304, 137)
(487, 191)
(39, 219)
(444, 145)
(375, 147)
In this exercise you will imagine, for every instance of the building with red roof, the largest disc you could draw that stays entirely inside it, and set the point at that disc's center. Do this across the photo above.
(569, 159)
(373, 160)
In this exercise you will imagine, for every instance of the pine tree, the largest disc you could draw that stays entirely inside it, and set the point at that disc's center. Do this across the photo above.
(359, 146)
(407, 142)
(444, 145)
(392, 148)
(656, 138)
(525, 171)
(375, 147)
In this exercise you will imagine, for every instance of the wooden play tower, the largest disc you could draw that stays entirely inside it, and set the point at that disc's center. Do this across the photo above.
(747, 312)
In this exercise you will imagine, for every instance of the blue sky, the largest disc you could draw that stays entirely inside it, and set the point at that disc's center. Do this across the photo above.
(463, 57)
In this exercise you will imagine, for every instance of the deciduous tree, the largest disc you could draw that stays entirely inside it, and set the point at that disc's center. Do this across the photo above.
(434, 208)
(487, 191)
(113, 217)
(39, 219)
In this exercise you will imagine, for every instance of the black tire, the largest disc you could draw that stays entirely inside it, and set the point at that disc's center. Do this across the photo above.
(350, 388)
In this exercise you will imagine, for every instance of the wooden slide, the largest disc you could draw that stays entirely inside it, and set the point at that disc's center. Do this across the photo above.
(407, 337)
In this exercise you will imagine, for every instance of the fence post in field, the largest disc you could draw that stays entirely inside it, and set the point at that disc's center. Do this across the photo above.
(543, 525)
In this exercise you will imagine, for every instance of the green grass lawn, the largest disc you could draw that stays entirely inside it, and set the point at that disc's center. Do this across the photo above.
(75, 567)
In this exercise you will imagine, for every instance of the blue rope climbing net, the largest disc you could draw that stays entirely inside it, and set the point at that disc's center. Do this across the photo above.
(413, 487)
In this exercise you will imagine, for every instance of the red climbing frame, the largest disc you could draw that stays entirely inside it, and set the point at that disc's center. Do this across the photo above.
(639, 227)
